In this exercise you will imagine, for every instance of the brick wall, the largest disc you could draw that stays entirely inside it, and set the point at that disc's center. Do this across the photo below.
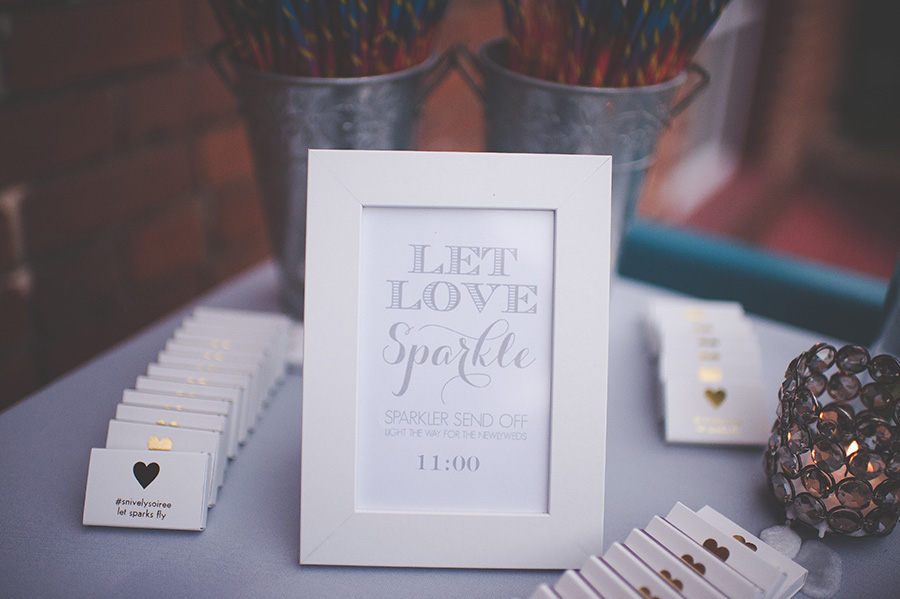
(125, 178)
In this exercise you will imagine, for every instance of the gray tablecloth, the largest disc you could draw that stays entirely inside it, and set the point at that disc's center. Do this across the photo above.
(251, 545)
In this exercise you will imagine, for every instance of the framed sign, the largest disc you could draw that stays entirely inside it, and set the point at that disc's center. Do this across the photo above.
(455, 361)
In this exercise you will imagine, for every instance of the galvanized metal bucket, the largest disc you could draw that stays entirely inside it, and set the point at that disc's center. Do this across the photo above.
(286, 116)
(526, 114)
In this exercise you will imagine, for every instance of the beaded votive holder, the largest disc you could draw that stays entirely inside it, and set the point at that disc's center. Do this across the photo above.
(833, 459)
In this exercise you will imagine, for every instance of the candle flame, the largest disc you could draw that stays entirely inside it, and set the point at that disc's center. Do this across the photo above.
(852, 448)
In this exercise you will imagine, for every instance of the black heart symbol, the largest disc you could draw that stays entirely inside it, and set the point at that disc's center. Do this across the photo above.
(145, 473)
(720, 552)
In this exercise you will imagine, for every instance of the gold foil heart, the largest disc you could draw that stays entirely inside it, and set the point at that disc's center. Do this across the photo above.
(720, 552)
(745, 542)
(715, 396)
(694, 314)
(702, 328)
(689, 560)
(164, 444)
(672, 580)
(646, 593)
(709, 374)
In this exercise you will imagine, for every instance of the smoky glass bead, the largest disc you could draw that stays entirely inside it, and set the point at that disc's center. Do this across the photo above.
(892, 467)
(805, 406)
(885, 369)
(782, 488)
(770, 465)
(789, 387)
(809, 509)
(817, 483)
(774, 440)
(827, 456)
(887, 495)
(816, 383)
(854, 493)
(877, 397)
(835, 422)
(845, 520)
(880, 521)
(865, 465)
(874, 434)
(843, 387)
(797, 438)
(787, 462)
(820, 357)
(852, 359)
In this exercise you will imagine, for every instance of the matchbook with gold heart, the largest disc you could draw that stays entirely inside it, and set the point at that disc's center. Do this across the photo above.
(701, 555)
(710, 373)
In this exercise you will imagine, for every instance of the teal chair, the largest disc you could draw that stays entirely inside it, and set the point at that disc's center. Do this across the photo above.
(833, 302)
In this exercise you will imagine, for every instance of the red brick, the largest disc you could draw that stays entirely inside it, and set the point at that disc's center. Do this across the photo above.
(15, 318)
(211, 98)
(56, 45)
(470, 22)
(61, 354)
(79, 287)
(240, 232)
(170, 243)
(18, 378)
(170, 101)
(76, 207)
(223, 155)
(201, 27)
(147, 304)
(452, 117)
(458, 129)
(66, 350)
(48, 133)
(239, 216)
(157, 104)
(7, 253)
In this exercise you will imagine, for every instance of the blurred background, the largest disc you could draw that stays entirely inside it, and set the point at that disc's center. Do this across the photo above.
(126, 184)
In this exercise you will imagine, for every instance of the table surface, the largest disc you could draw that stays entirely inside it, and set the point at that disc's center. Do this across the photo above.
(250, 547)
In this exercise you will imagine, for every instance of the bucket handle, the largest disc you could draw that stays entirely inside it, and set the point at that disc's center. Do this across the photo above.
(468, 62)
(437, 73)
(691, 95)
(465, 60)
(218, 65)
(442, 67)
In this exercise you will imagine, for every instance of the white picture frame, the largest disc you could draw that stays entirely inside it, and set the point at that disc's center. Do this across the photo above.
(343, 184)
